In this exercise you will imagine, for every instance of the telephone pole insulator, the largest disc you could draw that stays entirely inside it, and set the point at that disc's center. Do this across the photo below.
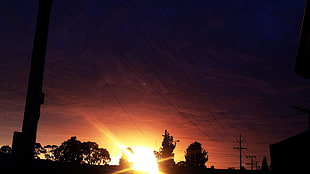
(240, 139)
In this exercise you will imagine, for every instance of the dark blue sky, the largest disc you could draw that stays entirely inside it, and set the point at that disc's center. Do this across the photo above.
(204, 70)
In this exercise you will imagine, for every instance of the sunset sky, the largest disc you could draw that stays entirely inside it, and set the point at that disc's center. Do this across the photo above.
(123, 71)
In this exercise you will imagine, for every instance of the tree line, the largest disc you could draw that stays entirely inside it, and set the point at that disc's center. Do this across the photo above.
(74, 151)
(195, 155)
(71, 151)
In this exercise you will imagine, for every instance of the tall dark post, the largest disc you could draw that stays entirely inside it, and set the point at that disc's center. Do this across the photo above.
(240, 148)
(252, 161)
(35, 96)
(302, 65)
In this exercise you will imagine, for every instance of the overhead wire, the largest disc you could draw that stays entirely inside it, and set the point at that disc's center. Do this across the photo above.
(180, 71)
(189, 58)
(165, 98)
(159, 34)
(191, 62)
(105, 82)
(137, 71)
(164, 54)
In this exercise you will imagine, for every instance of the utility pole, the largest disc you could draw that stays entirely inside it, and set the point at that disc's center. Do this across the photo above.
(25, 140)
(240, 140)
(252, 162)
(256, 165)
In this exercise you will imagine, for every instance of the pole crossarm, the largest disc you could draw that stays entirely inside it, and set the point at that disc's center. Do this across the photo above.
(240, 148)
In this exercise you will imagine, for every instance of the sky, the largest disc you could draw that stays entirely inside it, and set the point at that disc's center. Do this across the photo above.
(123, 71)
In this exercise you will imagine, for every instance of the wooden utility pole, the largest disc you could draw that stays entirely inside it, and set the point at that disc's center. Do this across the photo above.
(252, 162)
(35, 95)
(240, 148)
(256, 165)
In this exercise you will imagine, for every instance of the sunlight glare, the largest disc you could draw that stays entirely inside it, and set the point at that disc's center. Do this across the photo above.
(143, 160)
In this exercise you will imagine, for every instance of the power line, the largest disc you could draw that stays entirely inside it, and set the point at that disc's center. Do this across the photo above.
(240, 140)
(108, 86)
(136, 71)
(141, 74)
(189, 58)
(165, 53)
(252, 162)
(164, 97)
(180, 71)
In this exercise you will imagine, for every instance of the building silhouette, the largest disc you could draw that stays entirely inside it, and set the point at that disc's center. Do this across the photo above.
(291, 155)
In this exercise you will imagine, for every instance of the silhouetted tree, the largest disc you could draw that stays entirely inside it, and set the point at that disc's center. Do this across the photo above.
(94, 155)
(6, 159)
(196, 156)
(49, 152)
(102, 156)
(5, 152)
(265, 168)
(181, 164)
(87, 150)
(231, 169)
(243, 169)
(69, 151)
(124, 160)
(75, 152)
(165, 154)
(38, 149)
(5, 149)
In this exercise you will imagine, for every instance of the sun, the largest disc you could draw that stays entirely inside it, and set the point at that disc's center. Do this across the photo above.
(143, 159)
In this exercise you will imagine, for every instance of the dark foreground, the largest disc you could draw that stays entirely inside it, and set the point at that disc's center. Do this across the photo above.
(118, 170)
(46, 167)
(114, 170)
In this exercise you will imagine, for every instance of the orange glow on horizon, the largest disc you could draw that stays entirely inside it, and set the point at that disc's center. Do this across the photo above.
(115, 141)
(140, 149)
(142, 159)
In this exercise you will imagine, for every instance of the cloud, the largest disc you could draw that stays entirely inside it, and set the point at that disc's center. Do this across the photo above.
(214, 71)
